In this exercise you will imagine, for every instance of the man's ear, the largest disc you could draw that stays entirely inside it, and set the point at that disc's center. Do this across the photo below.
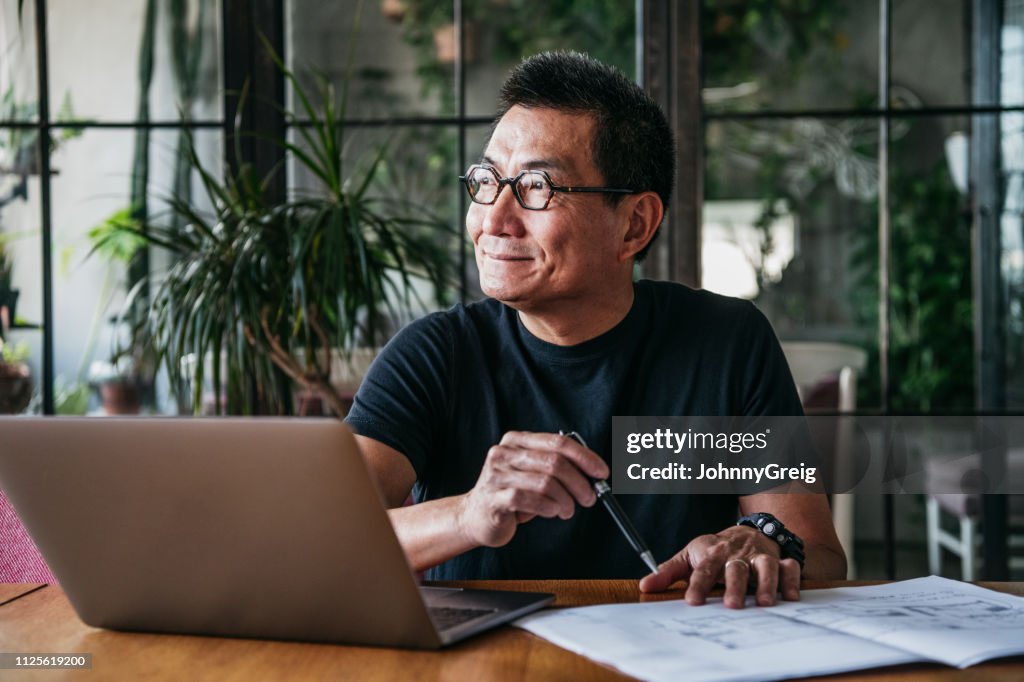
(644, 218)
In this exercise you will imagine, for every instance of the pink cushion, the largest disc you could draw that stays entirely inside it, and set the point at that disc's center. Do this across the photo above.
(20, 561)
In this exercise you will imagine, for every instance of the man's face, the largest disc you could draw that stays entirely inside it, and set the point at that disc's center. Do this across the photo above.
(565, 252)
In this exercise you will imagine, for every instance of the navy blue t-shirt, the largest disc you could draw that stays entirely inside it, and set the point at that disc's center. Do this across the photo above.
(449, 385)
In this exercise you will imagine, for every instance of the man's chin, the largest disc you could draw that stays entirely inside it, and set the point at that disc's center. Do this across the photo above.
(505, 296)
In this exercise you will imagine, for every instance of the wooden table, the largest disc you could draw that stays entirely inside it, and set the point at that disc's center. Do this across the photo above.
(39, 619)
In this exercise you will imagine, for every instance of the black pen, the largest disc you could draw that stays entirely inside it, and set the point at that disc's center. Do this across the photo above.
(604, 493)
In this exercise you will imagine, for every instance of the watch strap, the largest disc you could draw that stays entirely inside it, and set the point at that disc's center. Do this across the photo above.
(790, 544)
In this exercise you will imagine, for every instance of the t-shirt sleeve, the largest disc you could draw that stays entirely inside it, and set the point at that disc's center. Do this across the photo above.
(403, 399)
(767, 386)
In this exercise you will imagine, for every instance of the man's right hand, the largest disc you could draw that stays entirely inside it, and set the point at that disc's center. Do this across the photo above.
(527, 475)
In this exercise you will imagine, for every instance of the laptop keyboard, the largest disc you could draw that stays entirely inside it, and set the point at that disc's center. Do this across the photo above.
(445, 617)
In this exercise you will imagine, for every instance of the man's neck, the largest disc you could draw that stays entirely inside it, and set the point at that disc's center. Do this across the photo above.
(572, 322)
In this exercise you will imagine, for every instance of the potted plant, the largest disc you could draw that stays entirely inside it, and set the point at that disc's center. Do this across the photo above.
(262, 293)
(15, 378)
(119, 386)
(126, 376)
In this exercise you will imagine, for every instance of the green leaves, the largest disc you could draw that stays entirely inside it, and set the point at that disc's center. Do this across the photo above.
(117, 238)
(931, 350)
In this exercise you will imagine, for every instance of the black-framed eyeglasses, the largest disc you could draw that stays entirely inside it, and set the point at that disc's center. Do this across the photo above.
(533, 189)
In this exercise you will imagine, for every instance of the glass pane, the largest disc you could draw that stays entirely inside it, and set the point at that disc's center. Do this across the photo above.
(19, 156)
(95, 45)
(500, 34)
(93, 347)
(395, 70)
(793, 228)
(931, 52)
(18, 75)
(1011, 222)
(414, 179)
(769, 55)
(931, 356)
(1011, 156)
(1012, 53)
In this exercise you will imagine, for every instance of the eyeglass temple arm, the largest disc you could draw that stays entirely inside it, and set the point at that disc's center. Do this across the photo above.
(565, 188)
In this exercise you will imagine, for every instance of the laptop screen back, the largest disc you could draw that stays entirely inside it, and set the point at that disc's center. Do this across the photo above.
(244, 527)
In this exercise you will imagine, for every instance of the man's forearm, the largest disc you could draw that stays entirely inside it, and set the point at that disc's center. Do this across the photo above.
(430, 532)
(824, 563)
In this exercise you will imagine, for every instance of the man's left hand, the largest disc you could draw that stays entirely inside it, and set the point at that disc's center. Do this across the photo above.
(739, 556)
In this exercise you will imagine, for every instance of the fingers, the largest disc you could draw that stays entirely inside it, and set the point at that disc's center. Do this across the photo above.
(550, 466)
(528, 475)
(766, 568)
(707, 574)
(712, 560)
(737, 578)
(528, 503)
(676, 568)
(585, 460)
(789, 579)
(536, 493)
(769, 574)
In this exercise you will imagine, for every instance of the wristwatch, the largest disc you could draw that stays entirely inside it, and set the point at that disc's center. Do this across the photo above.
(790, 545)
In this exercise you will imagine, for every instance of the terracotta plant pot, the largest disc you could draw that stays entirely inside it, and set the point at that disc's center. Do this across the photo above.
(444, 43)
(121, 396)
(394, 10)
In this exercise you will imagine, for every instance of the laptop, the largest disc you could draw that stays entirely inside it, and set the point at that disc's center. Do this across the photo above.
(261, 528)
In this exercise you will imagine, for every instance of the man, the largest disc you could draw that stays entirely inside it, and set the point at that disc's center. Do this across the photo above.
(464, 407)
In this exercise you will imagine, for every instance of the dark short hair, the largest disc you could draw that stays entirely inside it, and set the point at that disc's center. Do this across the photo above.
(633, 146)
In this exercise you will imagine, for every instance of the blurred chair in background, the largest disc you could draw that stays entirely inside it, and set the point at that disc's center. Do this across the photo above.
(826, 378)
(945, 473)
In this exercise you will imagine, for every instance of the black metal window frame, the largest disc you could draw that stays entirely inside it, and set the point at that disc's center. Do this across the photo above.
(669, 58)
(668, 49)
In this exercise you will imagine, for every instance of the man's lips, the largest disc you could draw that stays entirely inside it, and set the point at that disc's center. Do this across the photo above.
(507, 256)
(499, 249)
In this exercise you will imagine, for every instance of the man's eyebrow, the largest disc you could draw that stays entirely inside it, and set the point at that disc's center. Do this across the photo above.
(535, 164)
(544, 164)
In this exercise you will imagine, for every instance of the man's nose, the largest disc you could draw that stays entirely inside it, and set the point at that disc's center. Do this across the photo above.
(504, 216)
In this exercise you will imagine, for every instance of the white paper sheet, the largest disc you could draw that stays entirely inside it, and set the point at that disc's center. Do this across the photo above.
(828, 631)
